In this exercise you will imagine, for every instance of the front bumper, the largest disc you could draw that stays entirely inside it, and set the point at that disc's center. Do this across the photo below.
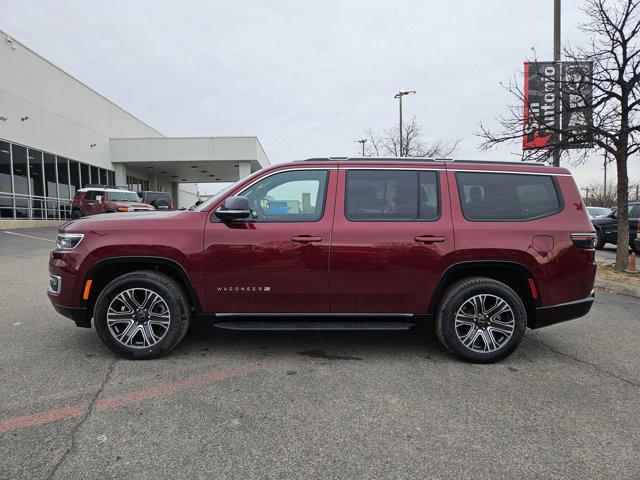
(546, 316)
(78, 315)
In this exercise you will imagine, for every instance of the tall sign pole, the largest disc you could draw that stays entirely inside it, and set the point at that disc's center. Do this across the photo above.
(557, 61)
(400, 99)
(362, 142)
(399, 96)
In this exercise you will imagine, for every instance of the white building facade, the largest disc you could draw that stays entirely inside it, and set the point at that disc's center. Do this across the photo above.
(57, 135)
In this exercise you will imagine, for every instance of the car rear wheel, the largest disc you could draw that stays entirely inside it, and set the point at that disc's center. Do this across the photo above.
(481, 320)
(142, 315)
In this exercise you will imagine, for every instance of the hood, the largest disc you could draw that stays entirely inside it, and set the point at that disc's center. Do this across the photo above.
(160, 219)
(117, 204)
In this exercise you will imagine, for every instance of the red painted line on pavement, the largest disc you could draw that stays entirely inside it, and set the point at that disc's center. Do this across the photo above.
(42, 418)
(75, 411)
(133, 397)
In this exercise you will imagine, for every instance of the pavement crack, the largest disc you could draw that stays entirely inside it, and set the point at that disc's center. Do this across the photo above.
(90, 409)
(583, 362)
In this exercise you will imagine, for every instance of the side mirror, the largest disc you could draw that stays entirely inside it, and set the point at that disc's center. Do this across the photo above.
(234, 208)
(98, 198)
(613, 214)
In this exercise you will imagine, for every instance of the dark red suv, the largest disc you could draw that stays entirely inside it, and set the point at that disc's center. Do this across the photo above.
(97, 200)
(484, 249)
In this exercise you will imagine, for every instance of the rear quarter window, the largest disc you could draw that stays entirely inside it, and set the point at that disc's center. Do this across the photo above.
(507, 196)
(153, 196)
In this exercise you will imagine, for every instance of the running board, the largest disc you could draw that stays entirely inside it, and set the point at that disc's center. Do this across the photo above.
(315, 326)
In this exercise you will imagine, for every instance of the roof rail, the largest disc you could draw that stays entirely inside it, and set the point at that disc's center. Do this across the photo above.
(495, 162)
(98, 185)
(375, 159)
(419, 159)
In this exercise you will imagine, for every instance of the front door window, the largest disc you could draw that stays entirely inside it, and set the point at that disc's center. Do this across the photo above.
(293, 196)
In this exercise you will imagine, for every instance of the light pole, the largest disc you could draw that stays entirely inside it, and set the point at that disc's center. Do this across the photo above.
(399, 96)
(362, 142)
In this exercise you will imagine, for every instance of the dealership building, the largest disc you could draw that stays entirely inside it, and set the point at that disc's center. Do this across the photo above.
(58, 135)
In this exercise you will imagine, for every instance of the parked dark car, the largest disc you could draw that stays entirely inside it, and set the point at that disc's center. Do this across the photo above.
(158, 200)
(607, 227)
(482, 249)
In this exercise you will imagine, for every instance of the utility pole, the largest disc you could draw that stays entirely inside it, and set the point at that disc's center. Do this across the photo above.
(399, 96)
(362, 142)
(558, 76)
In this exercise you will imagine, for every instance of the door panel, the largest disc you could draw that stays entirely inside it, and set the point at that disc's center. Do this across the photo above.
(389, 266)
(278, 262)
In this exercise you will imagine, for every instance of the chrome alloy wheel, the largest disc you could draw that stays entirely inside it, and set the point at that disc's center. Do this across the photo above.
(138, 318)
(484, 323)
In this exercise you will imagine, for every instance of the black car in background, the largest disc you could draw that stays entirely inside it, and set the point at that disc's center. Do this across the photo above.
(607, 227)
(158, 200)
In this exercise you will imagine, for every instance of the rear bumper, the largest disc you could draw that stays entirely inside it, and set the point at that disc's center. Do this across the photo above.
(78, 315)
(546, 316)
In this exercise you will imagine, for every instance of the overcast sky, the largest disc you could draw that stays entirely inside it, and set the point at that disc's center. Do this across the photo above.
(306, 77)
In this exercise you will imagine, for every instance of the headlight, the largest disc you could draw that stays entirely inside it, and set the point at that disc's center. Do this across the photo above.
(69, 241)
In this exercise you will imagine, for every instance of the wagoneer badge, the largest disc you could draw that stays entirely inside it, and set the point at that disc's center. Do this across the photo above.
(244, 289)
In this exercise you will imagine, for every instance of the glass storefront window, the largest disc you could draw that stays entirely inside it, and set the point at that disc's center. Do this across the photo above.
(51, 184)
(36, 183)
(74, 177)
(63, 186)
(20, 180)
(6, 201)
(84, 172)
(63, 178)
(95, 178)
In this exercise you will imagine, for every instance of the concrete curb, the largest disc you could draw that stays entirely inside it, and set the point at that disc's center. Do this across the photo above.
(618, 287)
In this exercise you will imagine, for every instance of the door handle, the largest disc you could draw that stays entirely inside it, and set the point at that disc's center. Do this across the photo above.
(428, 239)
(305, 239)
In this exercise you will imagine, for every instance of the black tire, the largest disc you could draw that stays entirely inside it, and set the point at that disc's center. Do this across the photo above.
(76, 214)
(171, 293)
(452, 301)
(599, 239)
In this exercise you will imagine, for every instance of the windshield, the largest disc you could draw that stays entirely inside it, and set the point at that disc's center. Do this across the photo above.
(598, 211)
(210, 201)
(123, 197)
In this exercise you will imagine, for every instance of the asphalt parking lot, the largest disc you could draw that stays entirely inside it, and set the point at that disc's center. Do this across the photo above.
(327, 405)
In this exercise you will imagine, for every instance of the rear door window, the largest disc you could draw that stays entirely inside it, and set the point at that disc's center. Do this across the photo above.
(391, 195)
(506, 196)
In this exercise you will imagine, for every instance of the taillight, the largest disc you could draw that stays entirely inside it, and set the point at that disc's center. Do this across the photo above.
(144, 201)
(171, 204)
(584, 240)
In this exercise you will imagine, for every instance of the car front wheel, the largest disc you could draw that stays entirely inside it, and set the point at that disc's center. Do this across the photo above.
(142, 315)
(481, 320)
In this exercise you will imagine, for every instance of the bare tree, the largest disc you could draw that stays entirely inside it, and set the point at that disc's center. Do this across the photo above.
(595, 195)
(387, 143)
(613, 31)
